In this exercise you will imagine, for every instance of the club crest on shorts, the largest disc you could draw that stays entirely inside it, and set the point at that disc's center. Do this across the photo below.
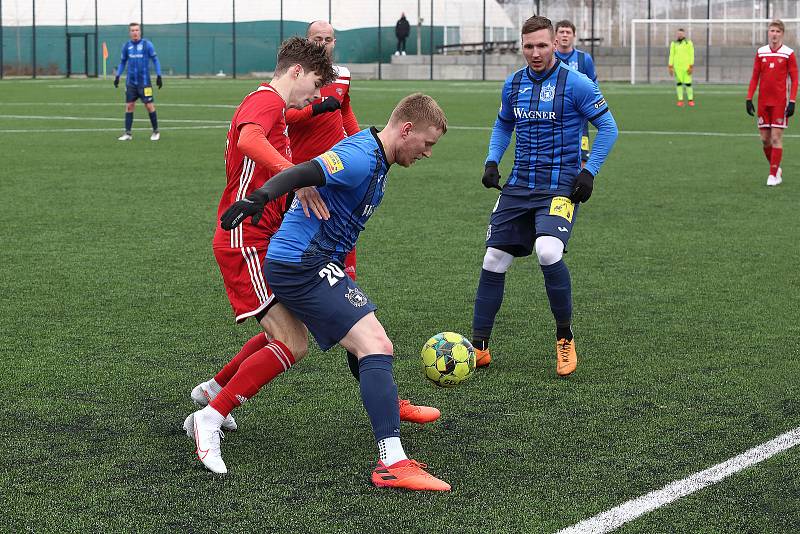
(356, 297)
(548, 92)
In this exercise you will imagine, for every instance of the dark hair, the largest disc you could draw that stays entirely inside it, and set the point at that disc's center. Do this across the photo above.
(312, 57)
(536, 23)
(681, 30)
(565, 24)
(132, 24)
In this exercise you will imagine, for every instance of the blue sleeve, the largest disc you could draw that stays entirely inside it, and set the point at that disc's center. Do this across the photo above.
(345, 166)
(590, 72)
(123, 59)
(503, 127)
(154, 57)
(606, 136)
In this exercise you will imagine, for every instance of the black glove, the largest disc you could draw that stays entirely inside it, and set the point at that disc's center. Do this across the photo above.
(584, 183)
(327, 105)
(750, 109)
(159, 83)
(116, 82)
(252, 204)
(790, 109)
(491, 176)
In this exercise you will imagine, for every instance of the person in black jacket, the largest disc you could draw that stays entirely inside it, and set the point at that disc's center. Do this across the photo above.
(401, 30)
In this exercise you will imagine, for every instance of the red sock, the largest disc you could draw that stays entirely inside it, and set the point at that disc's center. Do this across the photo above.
(775, 160)
(768, 153)
(257, 342)
(253, 374)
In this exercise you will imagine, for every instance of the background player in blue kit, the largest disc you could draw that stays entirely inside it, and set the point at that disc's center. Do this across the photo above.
(137, 54)
(547, 103)
(305, 270)
(578, 60)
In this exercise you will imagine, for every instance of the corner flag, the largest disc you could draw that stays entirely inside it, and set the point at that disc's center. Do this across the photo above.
(105, 59)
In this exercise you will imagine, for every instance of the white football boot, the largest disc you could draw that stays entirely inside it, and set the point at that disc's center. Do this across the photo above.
(204, 427)
(155, 136)
(202, 394)
(779, 176)
(125, 137)
(771, 180)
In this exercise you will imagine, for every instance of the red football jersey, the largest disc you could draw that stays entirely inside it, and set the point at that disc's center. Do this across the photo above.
(266, 108)
(770, 70)
(311, 136)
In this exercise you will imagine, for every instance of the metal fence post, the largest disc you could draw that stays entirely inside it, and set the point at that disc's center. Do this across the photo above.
(431, 39)
(380, 53)
(483, 44)
(233, 32)
(187, 39)
(33, 36)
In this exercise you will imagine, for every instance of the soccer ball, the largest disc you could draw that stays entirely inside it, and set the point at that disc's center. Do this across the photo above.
(448, 359)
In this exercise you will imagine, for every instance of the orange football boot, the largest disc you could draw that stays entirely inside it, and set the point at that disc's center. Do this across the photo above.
(417, 414)
(482, 357)
(566, 357)
(691, 103)
(407, 474)
(680, 103)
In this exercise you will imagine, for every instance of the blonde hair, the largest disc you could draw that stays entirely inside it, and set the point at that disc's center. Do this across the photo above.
(420, 109)
(778, 24)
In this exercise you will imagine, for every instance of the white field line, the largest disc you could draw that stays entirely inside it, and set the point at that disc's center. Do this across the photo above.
(618, 516)
(91, 119)
(72, 130)
(114, 104)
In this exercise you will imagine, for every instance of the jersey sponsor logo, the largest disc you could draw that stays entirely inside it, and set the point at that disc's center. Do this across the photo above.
(547, 93)
(600, 103)
(356, 297)
(524, 90)
(332, 162)
(522, 113)
(562, 207)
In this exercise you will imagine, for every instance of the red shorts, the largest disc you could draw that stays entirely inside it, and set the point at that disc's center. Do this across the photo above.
(244, 280)
(772, 116)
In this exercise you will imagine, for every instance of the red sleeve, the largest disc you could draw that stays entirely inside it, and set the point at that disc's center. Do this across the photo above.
(793, 74)
(298, 115)
(349, 118)
(754, 79)
(253, 143)
(263, 108)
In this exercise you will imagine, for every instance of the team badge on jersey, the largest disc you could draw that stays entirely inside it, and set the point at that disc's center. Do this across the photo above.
(332, 162)
(562, 207)
(573, 64)
(356, 297)
(548, 92)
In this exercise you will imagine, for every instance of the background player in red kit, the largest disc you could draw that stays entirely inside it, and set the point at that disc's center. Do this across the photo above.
(314, 130)
(257, 148)
(773, 63)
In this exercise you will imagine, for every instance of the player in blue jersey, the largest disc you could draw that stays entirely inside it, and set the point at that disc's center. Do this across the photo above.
(546, 103)
(578, 60)
(137, 54)
(305, 268)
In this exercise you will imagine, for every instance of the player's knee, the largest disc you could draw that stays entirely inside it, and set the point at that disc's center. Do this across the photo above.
(549, 249)
(496, 260)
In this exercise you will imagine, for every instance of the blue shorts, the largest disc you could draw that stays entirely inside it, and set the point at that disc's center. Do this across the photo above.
(520, 216)
(322, 296)
(143, 92)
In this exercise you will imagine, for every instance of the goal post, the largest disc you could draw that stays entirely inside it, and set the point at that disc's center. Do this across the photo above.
(762, 25)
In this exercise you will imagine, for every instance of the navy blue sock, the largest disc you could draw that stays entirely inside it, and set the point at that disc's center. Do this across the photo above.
(154, 121)
(487, 303)
(128, 121)
(379, 395)
(559, 292)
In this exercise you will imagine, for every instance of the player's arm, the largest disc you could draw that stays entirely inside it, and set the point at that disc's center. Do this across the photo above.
(499, 141)
(792, 64)
(349, 118)
(156, 64)
(305, 174)
(690, 53)
(325, 105)
(594, 109)
(751, 90)
(123, 60)
(253, 143)
(671, 58)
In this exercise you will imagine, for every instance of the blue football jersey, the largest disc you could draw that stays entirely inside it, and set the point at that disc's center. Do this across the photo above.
(580, 61)
(355, 173)
(137, 56)
(548, 112)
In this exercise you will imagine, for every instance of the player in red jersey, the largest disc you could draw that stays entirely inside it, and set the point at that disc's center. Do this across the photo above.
(257, 148)
(313, 130)
(773, 63)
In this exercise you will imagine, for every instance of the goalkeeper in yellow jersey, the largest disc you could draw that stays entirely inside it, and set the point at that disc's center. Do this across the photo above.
(681, 64)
